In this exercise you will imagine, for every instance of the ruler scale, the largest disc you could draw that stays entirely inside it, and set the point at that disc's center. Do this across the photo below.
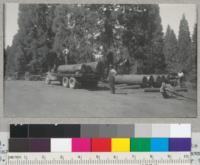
(175, 158)
(60, 155)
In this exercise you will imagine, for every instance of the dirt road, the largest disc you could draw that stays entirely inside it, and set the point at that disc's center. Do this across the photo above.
(36, 99)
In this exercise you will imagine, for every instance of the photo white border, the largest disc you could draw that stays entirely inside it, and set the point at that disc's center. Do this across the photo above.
(4, 122)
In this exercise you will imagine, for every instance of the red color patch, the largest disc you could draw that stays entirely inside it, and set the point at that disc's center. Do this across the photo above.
(101, 145)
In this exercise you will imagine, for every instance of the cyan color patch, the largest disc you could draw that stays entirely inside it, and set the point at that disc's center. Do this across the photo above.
(159, 144)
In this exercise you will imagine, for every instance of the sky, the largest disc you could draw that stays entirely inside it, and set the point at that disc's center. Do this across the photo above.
(171, 14)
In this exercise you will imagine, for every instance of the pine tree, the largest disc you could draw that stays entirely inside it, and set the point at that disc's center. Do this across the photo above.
(33, 42)
(184, 45)
(170, 50)
(193, 60)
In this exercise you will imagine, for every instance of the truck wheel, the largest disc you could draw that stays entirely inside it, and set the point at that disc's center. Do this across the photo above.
(73, 83)
(47, 81)
(65, 82)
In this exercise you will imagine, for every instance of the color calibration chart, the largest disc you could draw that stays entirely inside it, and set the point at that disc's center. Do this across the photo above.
(140, 144)
(100, 138)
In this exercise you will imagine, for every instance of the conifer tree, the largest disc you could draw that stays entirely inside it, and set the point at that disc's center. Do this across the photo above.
(170, 50)
(184, 44)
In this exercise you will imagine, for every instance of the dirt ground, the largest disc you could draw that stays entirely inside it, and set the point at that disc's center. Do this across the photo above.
(36, 99)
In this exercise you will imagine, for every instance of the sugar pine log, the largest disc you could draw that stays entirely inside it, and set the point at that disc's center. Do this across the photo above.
(130, 87)
(158, 89)
(131, 79)
(92, 65)
(71, 68)
(96, 67)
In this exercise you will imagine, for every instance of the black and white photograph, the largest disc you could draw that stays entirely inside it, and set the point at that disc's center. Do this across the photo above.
(100, 60)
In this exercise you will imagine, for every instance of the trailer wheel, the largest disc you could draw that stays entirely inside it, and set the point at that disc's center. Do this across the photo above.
(47, 81)
(65, 82)
(73, 83)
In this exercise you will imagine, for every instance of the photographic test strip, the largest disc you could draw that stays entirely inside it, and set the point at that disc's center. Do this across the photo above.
(100, 138)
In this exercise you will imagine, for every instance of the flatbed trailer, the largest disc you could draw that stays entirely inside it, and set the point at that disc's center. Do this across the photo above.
(76, 80)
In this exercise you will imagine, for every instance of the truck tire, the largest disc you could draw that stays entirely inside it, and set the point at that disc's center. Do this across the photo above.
(65, 82)
(73, 83)
(47, 81)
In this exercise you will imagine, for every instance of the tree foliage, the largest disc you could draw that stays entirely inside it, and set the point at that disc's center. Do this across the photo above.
(184, 44)
(171, 50)
(192, 64)
(130, 33)
(143, 37)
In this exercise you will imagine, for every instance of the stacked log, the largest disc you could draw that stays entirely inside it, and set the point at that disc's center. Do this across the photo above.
(96, 67)
(72, 68)
(92, 65)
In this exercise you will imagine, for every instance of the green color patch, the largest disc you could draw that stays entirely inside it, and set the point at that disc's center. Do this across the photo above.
(140, 144)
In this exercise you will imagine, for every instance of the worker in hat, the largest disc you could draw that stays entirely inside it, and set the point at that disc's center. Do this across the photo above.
(111, 78)
(181, 77)
(66, 55)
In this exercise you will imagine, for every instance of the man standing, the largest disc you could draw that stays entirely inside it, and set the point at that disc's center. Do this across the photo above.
(111, 78)
(181, 77)
(66, 55)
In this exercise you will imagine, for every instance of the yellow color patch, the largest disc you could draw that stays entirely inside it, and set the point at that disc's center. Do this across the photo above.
(120, 144)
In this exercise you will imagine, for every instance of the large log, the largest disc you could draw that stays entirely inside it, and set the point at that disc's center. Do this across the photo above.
(71, 68)
(129, 87)
(158, 89)
(131, 79)
(96, 67)
(92, 65)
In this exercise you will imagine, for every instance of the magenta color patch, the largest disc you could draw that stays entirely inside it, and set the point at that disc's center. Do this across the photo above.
(81, 145)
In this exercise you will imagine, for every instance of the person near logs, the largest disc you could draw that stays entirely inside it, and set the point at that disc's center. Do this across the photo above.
(111, 78)
(167, 90)
(181, 77)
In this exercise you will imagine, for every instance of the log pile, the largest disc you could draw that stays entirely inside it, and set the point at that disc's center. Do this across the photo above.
(92, 67)
(96, 67)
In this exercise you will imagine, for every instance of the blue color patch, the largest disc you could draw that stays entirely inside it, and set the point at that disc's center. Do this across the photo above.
(159, 144)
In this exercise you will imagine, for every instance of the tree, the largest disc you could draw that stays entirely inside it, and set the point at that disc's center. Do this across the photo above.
(184, 44)
(143, 37)
(33, 42)
(75, 28)
(170, 50)
(192, 63)
(130, 33)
